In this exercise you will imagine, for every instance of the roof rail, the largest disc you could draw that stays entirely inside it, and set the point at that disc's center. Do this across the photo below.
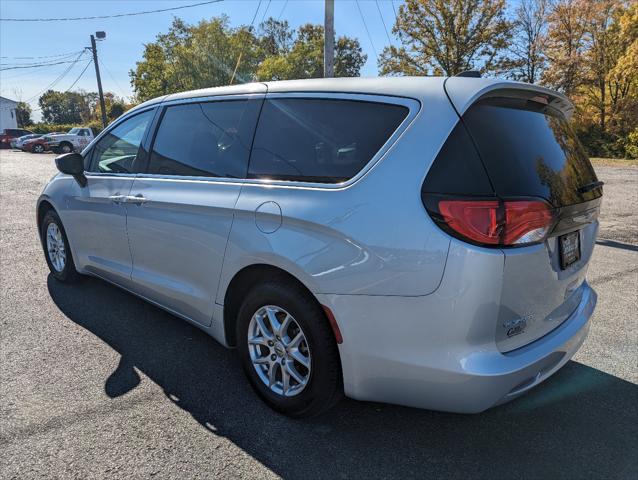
(470, 74)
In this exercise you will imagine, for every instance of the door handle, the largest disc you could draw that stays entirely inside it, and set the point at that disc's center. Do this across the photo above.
(138, 199)
(118, 198)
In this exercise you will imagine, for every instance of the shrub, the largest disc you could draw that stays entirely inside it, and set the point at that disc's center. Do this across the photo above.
(55, 127)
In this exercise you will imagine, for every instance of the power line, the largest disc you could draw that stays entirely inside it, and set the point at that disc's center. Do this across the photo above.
(58, 79)
(46, 56)
(265, 11)
(365, 25)
(282, 9)
(72, 85)
(79, 76)
(113, 78)
(96, 17)
(252, 22)
(39, 63)
(383, 21)
(396, 19)
(36, 65)
(20, 74)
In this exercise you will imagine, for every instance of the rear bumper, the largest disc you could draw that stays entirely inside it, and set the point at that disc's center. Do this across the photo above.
(392, 354)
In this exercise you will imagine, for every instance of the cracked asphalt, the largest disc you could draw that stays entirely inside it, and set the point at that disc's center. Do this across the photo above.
(95, 383)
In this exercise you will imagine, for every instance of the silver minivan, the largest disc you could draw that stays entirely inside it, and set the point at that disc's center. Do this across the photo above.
(418, 241)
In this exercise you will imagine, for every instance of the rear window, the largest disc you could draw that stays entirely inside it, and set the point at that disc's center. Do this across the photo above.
(529, 149)
(320, 140)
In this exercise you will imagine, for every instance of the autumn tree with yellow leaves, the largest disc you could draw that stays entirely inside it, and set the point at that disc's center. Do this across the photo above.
(587, 49)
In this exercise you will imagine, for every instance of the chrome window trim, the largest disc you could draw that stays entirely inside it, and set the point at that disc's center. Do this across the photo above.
(413, 106)
(212, 98)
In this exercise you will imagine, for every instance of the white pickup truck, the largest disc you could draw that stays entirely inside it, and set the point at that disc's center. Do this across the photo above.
(73, 141)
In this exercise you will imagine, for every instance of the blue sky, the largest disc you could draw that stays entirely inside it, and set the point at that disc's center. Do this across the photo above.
(126, 36)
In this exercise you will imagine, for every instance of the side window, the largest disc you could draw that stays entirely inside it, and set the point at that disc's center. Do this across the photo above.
(320, 140)
(210, 139)
(117, 150)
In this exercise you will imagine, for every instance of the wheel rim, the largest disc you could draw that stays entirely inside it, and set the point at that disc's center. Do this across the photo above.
(38, 148)
(279, 351)
(66, 148)
(55, 247)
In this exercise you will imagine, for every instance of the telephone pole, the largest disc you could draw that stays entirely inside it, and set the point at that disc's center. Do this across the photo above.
(100, 35)
(329, 40)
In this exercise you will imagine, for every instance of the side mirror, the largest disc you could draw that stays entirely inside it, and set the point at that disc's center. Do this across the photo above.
(72, 164)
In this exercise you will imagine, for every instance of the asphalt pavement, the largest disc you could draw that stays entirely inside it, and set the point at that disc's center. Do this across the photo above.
(96, 383)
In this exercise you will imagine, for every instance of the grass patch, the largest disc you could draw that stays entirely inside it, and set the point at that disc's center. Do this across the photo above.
(614, 162)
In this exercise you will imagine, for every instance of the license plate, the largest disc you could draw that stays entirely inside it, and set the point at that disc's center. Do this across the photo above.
(569, 249)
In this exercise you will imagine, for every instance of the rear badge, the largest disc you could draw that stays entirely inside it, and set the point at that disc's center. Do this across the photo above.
(516, 326)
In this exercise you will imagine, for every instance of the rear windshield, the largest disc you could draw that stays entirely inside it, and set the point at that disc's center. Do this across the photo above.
(529, 149)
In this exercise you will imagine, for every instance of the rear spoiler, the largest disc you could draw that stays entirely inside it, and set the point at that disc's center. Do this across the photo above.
(464, 91)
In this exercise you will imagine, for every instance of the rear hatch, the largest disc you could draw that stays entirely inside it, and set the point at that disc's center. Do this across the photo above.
(538, 198)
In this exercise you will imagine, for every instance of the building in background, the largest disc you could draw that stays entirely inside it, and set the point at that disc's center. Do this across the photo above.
(8, 117)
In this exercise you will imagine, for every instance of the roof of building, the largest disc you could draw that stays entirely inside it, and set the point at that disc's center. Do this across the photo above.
(4, 99)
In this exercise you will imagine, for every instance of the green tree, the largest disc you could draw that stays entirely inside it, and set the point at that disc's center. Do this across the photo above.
(447, 37)
(23, 115)
(304, 59)
(188, 57)
(65, 107)
(275, 37)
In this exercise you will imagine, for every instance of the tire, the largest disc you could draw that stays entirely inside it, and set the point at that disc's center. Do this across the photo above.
(63, 271)
(324, 385)
(65, 147)
(37, 148)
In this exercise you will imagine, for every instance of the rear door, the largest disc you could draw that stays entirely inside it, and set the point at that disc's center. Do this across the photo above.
(529, 151)
(182, 208)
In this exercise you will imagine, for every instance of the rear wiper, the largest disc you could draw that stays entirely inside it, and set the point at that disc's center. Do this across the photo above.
(590, 186)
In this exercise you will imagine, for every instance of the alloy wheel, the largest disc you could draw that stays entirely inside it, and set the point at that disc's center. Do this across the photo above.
(55, 247)
(279, 351)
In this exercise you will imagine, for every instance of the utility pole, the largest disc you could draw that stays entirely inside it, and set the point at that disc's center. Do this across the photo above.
(100, 35)
(329, 40)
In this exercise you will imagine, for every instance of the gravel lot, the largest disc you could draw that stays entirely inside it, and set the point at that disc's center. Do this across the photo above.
(96, 383)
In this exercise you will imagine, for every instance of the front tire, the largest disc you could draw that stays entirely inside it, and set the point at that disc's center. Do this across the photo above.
(288, 350)
(56, 249)
(65, 147)
(38, 148)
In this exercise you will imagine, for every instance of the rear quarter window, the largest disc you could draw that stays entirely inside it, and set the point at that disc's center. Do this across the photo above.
(320, 140)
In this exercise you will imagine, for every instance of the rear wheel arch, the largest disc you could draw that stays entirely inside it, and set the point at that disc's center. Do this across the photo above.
(242, 282)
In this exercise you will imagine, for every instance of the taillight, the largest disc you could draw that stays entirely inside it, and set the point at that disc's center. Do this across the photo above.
(493, 222)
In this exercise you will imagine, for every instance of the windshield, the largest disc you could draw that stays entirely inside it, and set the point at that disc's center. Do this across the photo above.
(74, 131)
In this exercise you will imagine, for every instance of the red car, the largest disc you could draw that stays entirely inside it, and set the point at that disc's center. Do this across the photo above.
(37, 145)
(9, 134)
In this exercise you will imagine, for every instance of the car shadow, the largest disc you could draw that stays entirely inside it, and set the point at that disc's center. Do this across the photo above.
(580, 423)
(615, 244)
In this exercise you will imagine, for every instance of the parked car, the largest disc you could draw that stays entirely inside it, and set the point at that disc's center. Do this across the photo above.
(418, 241)
(74, 140)
(9, 134)
(18, 142)
(36, 145)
